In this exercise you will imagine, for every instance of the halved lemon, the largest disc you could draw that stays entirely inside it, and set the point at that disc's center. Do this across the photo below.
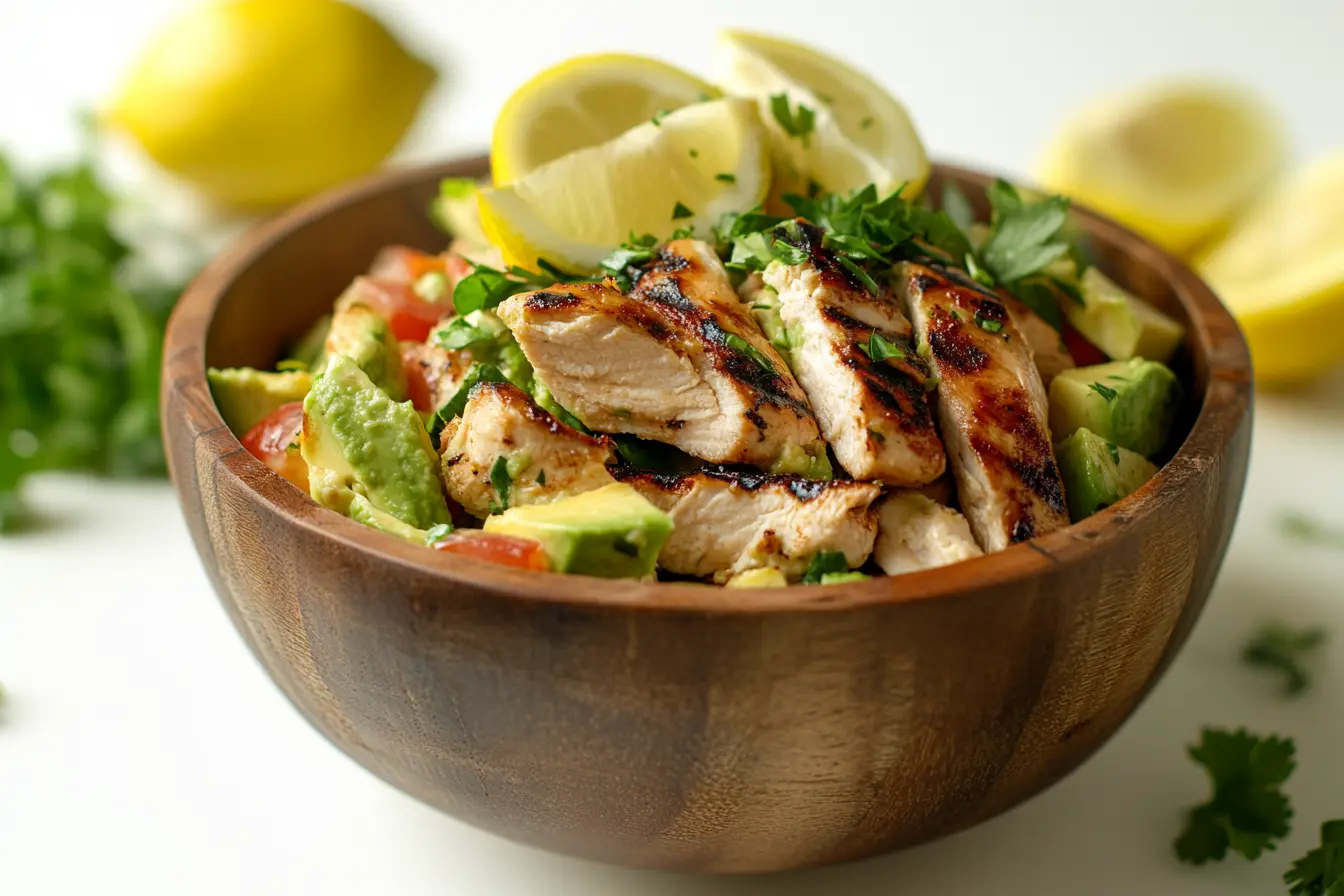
(1281, 271)
(685, 171)
(582, 102)
(854, 132)
(1175, 161)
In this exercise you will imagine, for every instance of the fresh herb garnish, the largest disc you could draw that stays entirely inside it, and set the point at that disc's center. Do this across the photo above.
(989, 325)
(737, 343)
(880, 349)
(1321, 871)
(541, 477)
(726, 176)
(958, 207)
(787, 252)
(1024, 237)
(1104, 391)
(453, 407)
(1276, 646)
(680, 211)
(1297, 525)
(459, 333)
(647, 455)
(436, 534)
(797, 121)
(866, 122)
(693, 152)
(1247, 812)
(824, 563)
(1114, 450)
(658, 117)
(502, 480)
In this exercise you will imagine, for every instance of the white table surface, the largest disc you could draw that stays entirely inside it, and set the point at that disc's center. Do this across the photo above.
(143, 751)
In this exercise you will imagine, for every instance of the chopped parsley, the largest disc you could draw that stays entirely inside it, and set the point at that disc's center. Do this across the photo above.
(1105, 392)
(1024, 236)
(726, 176)
(502, 480)
(1321, 871)
(541, 477)
(453, 407)
(737, 343)
(459, 333)
(622, 413)
(680, 211)
(1114, 450)
(1247, 811)
(796, 121)
(866, 122)
(438, 533)
(658, 117)
(1297, 525)
(485, 287)
(987, 324)
(1280, 648)
(880, 349)
(693, 152)
(825, 563)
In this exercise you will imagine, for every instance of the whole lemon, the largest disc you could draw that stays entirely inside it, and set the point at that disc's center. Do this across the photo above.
(261, 102)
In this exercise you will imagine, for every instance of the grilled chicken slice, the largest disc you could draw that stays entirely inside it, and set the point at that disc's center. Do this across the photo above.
(543, 458)
(433, 374)
(991, 405)
(915, 532)
(678, 361)
(875, 413)
(726, 522)
(1047, 345)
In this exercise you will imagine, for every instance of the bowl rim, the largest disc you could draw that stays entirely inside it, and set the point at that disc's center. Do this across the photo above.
(1223, 406)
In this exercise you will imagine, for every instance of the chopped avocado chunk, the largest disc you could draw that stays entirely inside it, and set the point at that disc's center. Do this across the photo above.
(361, 510)
(761, 577)
(311, 347)
(1120, 324)
(840, 578)
(811, 464)
(362, 335)
(245, 396)
(1097, 473)
(823, 564)
(611, 531)
(1132, 403)
(359, 443)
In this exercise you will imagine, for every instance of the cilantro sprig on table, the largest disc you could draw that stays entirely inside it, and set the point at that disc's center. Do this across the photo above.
(1321, 871)
(1248, 811)
(1280, 648)
(80, 335)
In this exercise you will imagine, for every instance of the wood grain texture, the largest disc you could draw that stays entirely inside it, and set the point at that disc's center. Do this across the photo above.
(680, 726)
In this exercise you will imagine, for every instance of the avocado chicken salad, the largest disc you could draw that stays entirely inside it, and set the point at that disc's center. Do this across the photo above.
(818, 387)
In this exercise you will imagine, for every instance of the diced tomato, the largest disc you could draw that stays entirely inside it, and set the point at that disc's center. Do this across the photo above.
(412, 318)
(1084, 353)
(418, 388)
(507, 550)
(275, 442)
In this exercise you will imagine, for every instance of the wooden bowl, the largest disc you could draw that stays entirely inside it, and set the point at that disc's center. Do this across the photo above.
(680, 726)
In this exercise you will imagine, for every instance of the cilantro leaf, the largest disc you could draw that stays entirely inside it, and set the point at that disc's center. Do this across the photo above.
(796, 121)
(436, 534)
(454, 406)
(485, 287)
(726, 176)
(459, 333)
(737, 343)
(1104, 391)
(680, 211)
(502, 480)
(879, 349)
(1024, 237)
(989, 325)
(1247, 812)
(824, 563)
(1321, 871)
(1277, 647)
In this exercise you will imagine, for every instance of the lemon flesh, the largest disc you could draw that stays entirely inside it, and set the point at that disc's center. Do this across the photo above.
(1174, 161)
(259, 102)
(861, 134)
(583, 102)
(1281, 271)
(686, 171)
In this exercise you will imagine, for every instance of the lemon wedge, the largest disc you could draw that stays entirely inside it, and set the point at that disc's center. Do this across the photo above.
(1281, 271)
(582, 102)
(684, 171)
(853, 132)
(1175, 161)
(258, 102)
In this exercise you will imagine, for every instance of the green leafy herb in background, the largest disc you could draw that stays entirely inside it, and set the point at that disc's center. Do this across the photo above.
(1321, 871)
(80, 336)
(1247, 812)
(1301, 527)
(1276, 646)
(797, 121)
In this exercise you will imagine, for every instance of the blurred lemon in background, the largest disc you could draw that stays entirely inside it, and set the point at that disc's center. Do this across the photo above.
(1281, 271)
(583, 102)
(261, 102)
(1174, 161)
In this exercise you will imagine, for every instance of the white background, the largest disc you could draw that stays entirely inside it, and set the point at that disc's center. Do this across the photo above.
(142, 751)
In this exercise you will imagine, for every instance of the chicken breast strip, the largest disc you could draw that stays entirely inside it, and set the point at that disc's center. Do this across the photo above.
(915, 532)
(672, 362)
(1045, 342)
(991, 405)
(543, 459)
(726, 522)
(875, 412)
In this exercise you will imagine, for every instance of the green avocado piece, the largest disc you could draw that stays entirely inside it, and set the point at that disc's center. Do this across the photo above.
(1132, 403)
(1120, 324)
(811, 463)
(359, 443)
(362, 335)
(244, 395)
(612, 531)
(1097, 473)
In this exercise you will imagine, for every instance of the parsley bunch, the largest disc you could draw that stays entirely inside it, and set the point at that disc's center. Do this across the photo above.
(1278, 647)
(1321, 871)
(80, 336)
(1247, 812)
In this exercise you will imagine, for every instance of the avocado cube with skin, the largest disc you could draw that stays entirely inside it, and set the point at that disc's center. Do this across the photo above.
(245, 396)
(1097, 473)
(1120, 324)
(362, 335)
(1132, 403)
(613, 532)
(359, 443)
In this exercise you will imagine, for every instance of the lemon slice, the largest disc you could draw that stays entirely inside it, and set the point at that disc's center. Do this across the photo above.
(860, 134)
(686, 170)
(582, 102)
(1281, 271)
(1174, 161)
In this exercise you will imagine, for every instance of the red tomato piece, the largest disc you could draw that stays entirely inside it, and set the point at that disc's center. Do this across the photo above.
(507, 550)
(404, 264)
(1084, 353)
(418, 387)
(412, 318)
(275, 442)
